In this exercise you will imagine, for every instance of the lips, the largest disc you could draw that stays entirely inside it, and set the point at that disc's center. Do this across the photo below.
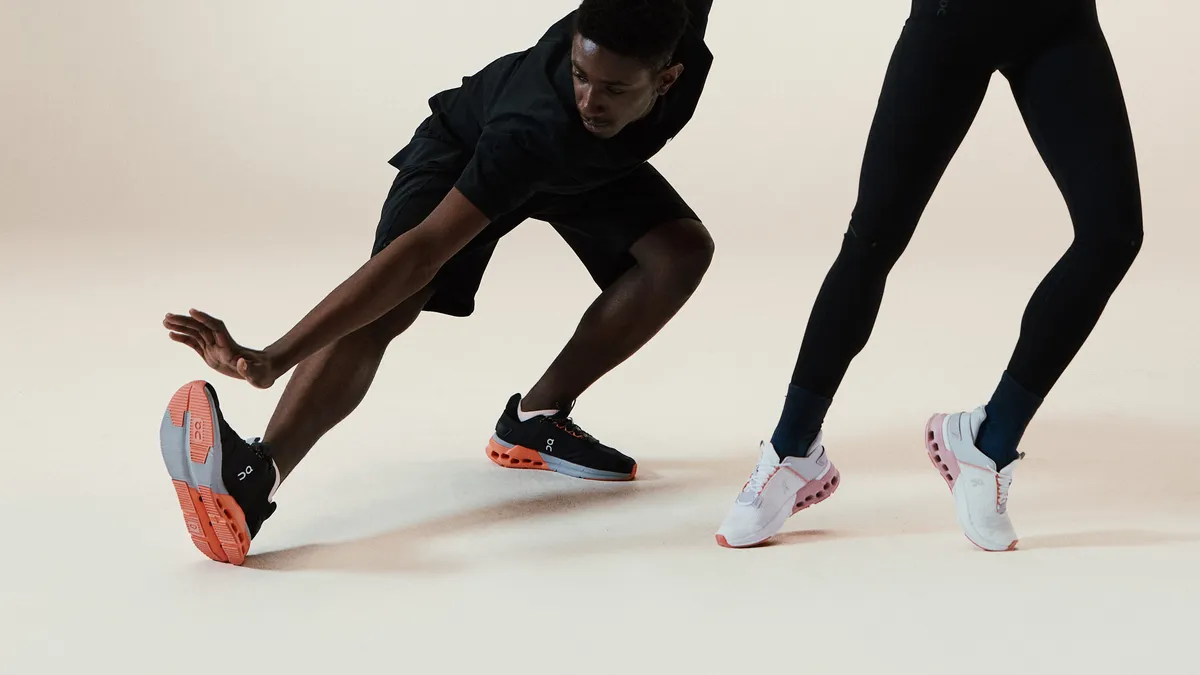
(595, 124)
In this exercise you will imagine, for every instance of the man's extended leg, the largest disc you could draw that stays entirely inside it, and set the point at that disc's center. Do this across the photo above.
(226, 484)
(329, 385)
(931, 93)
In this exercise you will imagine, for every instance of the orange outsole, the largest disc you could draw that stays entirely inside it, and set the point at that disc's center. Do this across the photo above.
(215, 522)
(516, 457)
(520, 457)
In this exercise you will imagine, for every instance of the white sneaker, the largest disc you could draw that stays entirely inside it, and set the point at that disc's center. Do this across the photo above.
(776, 490)
(980, 492)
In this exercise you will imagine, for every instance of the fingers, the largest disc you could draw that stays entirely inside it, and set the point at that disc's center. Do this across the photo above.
(213, 323)
(190, 341)
(187, 326)
(219, 332)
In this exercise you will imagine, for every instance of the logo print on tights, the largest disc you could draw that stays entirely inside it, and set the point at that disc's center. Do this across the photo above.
(942, 5)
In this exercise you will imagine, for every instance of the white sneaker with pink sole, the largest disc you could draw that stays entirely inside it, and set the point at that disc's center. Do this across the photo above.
(980, 492)
(777, 489)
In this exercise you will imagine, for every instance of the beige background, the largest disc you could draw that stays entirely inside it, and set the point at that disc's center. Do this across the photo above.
(232, 156)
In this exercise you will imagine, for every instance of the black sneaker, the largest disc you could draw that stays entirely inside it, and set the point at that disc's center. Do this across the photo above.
(225, 484)
(555, 443)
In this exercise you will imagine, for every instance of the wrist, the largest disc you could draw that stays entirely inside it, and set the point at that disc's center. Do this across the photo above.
(279, 357)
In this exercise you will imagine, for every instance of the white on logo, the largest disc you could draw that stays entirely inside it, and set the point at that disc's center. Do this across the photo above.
(549, 445)
(242, 475)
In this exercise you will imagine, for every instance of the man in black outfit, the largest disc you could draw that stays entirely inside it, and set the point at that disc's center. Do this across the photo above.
(1057, 62)
(560, 132)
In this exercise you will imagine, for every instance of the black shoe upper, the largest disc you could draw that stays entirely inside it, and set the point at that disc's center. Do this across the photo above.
(559, 436)
(247, 471)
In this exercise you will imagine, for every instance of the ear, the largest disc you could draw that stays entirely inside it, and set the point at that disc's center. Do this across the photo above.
(668, 77)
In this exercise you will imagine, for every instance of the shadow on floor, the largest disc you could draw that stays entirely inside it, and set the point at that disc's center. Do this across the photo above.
(1077, 460)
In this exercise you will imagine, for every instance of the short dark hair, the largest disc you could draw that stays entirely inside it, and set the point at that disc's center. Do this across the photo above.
(647, 30)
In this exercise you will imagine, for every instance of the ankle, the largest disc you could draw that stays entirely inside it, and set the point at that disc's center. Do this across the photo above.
(537, 401)
(800, 422)
(1009, 412)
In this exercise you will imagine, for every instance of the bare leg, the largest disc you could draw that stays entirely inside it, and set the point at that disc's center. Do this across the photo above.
(329, 385)
(671, 261)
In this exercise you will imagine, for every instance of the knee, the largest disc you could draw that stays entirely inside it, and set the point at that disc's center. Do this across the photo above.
(875, 249)
(1115, 247)
(388, 327)
(677, 253)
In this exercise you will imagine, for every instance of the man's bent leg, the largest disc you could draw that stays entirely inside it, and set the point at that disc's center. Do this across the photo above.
(671, 261)
(661, 270)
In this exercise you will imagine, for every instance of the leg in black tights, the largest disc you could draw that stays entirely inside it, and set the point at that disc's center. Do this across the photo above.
(1067, 89)
(930, 96)
(1071, 99)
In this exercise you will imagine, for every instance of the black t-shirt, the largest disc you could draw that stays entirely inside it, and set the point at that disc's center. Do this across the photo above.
(520, 131)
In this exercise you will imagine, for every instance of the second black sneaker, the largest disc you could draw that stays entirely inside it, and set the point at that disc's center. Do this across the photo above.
(554, 443)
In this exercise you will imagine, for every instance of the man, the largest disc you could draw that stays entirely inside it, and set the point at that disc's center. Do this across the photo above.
(560, 132)
(1058, 64)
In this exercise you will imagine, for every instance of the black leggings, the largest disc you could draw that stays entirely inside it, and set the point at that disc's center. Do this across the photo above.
(1054, 56)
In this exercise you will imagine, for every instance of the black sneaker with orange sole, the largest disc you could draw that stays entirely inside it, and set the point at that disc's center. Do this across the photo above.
(555, 443)
(225, 484)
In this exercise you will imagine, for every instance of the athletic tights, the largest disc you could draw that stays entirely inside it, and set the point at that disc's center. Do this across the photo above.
(1061, 73)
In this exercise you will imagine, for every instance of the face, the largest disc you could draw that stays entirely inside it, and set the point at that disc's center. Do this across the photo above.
(612, 91)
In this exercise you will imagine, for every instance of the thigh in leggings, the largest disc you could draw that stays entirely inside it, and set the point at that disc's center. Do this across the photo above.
(1069, 94)
(935, 82)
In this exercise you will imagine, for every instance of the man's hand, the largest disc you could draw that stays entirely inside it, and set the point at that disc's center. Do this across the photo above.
(211, 340)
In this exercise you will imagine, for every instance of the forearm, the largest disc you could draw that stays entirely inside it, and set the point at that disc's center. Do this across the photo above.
(385, 281)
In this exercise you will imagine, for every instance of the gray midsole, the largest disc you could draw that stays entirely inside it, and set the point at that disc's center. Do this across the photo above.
(176, 448)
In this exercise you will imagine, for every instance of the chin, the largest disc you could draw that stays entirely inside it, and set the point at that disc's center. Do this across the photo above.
(605, 132)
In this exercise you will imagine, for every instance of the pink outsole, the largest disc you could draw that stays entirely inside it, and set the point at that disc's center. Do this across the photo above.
(947, 465)
(817, 491)
(810, 495)
(942, 459)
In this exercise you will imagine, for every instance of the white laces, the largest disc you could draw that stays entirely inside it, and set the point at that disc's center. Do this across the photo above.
(1003, 481)
(766, 467)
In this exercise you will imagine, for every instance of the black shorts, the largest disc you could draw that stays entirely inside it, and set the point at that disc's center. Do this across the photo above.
(600, 226)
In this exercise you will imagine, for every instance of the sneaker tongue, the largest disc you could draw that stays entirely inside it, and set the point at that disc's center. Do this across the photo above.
(767, 454)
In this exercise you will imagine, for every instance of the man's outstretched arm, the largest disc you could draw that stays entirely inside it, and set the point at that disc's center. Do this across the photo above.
(406, 266)
(397, 272)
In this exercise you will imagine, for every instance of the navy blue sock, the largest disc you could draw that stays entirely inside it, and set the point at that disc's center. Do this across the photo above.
(1008, 414)
(803, 415)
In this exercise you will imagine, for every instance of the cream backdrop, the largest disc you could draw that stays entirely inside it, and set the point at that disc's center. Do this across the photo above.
(231, 156)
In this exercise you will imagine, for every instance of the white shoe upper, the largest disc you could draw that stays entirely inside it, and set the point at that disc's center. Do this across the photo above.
(980, 492)
(770, 496)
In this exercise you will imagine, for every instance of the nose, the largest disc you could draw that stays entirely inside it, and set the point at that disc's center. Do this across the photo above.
(590, 104)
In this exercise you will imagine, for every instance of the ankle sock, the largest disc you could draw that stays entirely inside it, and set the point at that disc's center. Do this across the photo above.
(526, 416)
(1009, 412)
(801, 420)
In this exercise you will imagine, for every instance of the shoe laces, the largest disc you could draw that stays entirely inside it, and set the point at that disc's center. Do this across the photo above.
(259, 448)
(568, 425)
(1003, 483)
(763, 471)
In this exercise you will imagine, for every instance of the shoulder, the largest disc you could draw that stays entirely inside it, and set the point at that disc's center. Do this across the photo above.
(540, 138)
(562, 30)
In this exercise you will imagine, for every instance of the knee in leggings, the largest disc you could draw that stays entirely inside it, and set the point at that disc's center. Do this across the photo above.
(878, 252)
(1116, 246)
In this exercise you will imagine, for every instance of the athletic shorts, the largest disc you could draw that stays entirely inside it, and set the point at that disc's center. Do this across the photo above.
(600, 226)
